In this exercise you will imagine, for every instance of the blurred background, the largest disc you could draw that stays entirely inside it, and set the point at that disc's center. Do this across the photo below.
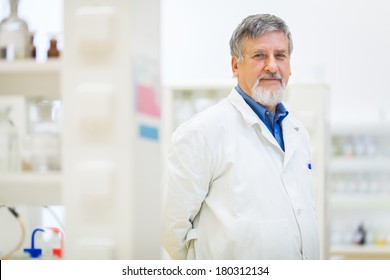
(88, 104)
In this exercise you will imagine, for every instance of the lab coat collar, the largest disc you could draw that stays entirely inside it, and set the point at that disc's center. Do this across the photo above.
(290, 127)
(239, 103)
(251, 118)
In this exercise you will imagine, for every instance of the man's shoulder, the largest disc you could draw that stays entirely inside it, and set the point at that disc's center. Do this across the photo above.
(210, 118)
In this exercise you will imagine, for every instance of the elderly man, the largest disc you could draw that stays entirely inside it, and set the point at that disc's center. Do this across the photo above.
(239, 182)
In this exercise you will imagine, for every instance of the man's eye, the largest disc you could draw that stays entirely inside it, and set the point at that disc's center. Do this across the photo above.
(280, 56)
(259, 56)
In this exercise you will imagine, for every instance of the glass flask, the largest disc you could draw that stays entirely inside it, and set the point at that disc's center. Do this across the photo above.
(14, 35)
(9, 148)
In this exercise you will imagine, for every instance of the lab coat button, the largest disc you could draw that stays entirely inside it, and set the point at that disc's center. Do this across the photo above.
(299, 211)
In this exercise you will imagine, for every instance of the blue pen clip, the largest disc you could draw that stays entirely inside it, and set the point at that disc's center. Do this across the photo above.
(309, 166)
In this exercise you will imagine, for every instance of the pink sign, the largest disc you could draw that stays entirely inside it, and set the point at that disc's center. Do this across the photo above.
(147, 101)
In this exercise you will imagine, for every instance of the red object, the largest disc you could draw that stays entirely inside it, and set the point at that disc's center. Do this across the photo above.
(59, 252)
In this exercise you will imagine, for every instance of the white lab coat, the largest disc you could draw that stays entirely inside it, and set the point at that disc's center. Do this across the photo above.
(231, 191)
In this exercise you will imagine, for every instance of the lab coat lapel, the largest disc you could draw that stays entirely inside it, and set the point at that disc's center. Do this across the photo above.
(267, 135)
(291, 139)
(252, 119)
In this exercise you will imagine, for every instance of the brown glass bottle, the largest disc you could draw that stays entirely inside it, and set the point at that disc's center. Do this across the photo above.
(53, 51)
(32, 50)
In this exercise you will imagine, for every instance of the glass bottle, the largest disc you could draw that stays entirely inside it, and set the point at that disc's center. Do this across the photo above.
(32, 50)
(53, 51)
(44, 135)
(9, 148)
(360, 235)
(14, 35)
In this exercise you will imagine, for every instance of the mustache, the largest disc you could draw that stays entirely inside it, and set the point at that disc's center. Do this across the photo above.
(276, 76)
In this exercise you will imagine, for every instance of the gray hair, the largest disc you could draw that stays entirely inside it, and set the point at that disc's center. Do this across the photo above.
(254, 26)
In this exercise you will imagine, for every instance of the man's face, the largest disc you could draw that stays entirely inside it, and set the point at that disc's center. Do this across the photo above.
(265, 66)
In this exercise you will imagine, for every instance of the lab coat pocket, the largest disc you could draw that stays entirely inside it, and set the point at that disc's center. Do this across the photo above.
(192, 236)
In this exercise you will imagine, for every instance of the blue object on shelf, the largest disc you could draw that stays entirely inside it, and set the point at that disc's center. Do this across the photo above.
(34, 252)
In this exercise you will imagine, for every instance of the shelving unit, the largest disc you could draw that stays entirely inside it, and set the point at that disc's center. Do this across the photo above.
(111, 129)
(359, 191)
(28, 78)
(109, 182)
(191, 98)
(28, 191)
(181, 101)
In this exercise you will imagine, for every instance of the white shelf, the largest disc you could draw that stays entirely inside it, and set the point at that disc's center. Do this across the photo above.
(361, 252)
(361, 249)
(342, 165)
(379, 129)
(30, 79)
(29, 65)
(360, 200)
(30, 188)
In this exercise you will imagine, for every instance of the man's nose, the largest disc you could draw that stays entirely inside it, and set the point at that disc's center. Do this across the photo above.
(271, 65)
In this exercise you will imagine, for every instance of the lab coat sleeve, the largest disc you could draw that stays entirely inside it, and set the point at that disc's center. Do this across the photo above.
(189, 172)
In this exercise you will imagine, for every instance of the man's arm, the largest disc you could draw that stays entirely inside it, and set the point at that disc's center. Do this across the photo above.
(187, 183)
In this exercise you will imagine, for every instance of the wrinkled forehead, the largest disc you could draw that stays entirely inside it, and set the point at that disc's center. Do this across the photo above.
(269, 41)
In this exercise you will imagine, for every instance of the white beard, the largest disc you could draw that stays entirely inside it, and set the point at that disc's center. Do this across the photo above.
(266, 97)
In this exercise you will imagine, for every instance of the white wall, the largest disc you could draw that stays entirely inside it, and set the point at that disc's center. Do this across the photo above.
(345, 44)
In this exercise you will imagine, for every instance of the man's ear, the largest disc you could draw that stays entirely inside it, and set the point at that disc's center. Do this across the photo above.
(234, 64)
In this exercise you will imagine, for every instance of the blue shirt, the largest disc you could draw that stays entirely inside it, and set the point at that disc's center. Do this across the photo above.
(272, 122)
